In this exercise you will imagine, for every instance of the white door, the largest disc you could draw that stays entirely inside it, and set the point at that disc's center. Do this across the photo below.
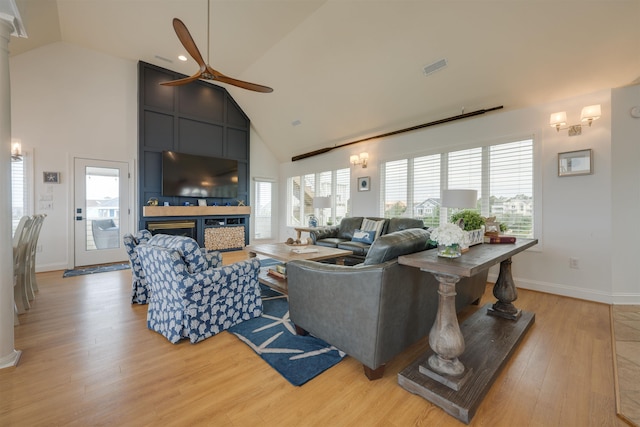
(101, 213)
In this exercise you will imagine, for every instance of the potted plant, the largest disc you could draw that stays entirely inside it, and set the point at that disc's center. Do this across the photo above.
(472, 222)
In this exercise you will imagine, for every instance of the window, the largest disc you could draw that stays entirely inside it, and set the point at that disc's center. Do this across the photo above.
(18, 191)
(301, 191)
(263, 228)
(502, 174)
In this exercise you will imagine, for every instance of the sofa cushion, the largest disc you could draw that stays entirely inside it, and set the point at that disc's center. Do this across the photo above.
(391, 246)
(358, 248)
(330, 242)
(399, 224)
(348, 226)
(373, 225)
(187, 247)
(364, 236)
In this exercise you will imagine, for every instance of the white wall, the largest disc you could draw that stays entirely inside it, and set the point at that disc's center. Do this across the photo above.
(69, 102)
(576, 214)
(625, 195)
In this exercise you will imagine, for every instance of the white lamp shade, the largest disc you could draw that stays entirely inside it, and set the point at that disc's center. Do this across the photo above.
(364, 156)
(459, 198)
(590, 113)
(558, 119)
(321, 202)
(354, 159)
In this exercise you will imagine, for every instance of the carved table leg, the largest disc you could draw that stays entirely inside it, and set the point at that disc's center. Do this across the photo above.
(445, 337)
(505, 291)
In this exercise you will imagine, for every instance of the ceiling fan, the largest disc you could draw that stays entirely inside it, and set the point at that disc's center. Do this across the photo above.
(206, 72)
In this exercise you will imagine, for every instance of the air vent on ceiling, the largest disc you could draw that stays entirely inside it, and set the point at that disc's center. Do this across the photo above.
(162, 58)
(432, 68)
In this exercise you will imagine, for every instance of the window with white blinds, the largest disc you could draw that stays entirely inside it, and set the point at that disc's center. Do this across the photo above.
(262, 210)
(18, 192)
(426, 189)
(511, 186)
(502, 174)
(303, 189)
(395, 196)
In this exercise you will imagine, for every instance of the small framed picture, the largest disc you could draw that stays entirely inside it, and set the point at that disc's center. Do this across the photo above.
(572, 163)
(51, 177)
(202, 202)
(364, 184)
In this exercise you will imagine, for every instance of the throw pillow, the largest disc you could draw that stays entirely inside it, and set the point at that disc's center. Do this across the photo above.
(371, 225)
(363, 236)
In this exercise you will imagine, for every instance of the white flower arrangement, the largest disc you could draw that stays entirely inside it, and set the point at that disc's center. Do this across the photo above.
(450, 234)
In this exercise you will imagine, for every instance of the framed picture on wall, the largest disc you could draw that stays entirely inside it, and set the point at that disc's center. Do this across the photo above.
(51, 177)
(574, 163)
(364, 183)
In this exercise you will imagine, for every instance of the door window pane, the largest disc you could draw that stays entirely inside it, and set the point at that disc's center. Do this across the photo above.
(102, 195)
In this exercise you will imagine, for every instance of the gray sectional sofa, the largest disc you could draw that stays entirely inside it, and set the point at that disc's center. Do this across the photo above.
(342, 235)
(375, 310)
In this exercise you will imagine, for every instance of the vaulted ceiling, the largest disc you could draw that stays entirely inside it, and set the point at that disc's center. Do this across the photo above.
(348, 69)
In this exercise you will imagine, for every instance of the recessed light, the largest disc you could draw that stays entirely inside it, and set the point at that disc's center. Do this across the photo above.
(182, 58)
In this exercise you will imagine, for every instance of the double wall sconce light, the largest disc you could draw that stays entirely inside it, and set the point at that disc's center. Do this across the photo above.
(588, 115)
(359, 159)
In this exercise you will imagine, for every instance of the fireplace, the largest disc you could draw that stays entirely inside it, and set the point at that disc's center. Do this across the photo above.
(174, 228)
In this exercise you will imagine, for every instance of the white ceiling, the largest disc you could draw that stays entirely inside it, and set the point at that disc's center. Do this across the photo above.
(349, 69)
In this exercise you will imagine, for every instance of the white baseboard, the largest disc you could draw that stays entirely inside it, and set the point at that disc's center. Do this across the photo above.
(572, 291)
(51, 267)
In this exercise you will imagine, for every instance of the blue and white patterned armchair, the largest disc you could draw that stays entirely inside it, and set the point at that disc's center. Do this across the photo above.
(139, 290)
(190, 299)
(141, 293)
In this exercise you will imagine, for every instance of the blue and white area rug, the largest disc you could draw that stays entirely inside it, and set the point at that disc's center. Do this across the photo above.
(273, 337)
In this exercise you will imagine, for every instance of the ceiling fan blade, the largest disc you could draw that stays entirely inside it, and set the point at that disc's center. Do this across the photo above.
(183, 81)
(218, 76)
(187, 41)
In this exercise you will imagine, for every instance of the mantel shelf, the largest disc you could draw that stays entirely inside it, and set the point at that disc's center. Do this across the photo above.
(149, 211)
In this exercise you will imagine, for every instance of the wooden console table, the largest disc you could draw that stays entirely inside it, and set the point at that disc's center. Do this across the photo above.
(447, 376)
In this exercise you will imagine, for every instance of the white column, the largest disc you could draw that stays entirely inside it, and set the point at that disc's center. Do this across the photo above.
(9, 356)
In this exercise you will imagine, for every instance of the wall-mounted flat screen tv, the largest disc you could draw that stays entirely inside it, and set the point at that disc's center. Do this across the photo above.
(188, 175)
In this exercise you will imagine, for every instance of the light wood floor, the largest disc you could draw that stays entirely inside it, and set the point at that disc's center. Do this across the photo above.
(88, 359)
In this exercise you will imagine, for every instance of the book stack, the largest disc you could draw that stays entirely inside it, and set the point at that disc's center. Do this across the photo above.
(499, 239)
(278, 271)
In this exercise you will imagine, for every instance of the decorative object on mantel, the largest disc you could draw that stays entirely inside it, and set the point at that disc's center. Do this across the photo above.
(152, 202)
(241, 202)
(450, 238)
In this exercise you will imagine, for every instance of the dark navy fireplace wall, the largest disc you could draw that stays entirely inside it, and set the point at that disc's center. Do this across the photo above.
(198, 118)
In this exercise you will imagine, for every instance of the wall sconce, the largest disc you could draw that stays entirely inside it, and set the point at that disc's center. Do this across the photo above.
(16, 150)
(359, 159)
(588, 115)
